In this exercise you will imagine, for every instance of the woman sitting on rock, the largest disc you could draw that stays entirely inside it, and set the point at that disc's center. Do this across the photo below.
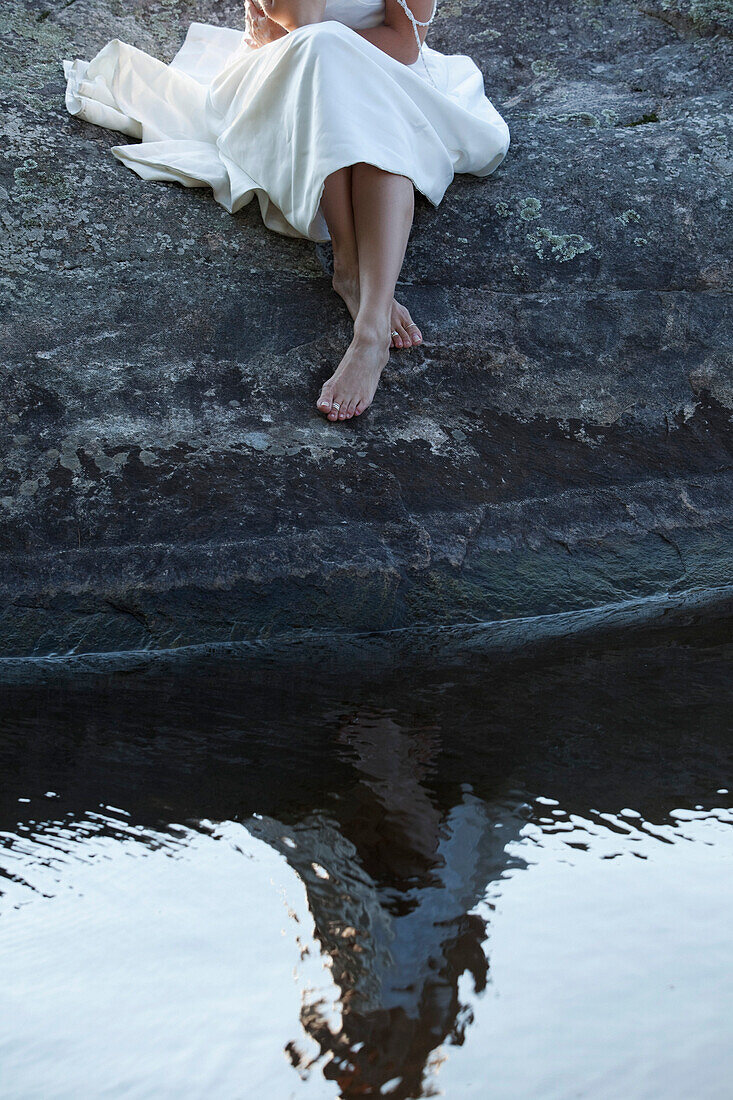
(331, 112)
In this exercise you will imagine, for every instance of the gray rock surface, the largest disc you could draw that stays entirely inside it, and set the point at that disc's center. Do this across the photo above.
(561, 442)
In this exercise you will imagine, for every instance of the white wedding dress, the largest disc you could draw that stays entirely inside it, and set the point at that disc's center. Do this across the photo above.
(274, 122)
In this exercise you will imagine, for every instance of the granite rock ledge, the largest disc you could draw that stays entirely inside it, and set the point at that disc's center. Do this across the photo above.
(561, 442)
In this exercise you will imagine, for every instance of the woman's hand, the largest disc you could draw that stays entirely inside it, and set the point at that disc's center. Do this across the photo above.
(259, 29)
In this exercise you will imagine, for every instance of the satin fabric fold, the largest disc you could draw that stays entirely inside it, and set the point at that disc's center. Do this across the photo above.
(274, 122)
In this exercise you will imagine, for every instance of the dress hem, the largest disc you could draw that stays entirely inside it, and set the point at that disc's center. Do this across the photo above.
(199, 127)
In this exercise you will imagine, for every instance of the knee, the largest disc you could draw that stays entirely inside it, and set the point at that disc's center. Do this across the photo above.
(320, 35)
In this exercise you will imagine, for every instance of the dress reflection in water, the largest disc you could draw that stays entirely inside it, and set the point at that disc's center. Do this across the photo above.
(392, 885)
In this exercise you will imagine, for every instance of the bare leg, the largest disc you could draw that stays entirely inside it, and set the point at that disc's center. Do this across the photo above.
(339, 214)
(338, 211)
(383, 204)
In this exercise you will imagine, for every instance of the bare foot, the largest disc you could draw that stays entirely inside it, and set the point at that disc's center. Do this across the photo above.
(354, 382)
(346, 285)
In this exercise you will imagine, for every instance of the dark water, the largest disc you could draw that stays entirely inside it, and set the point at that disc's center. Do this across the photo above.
(516, 882)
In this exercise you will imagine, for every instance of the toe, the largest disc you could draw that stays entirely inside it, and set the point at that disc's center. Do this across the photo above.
(351, 407)
(324, 401)
(404, 336)
(397, 339)
(415, 334)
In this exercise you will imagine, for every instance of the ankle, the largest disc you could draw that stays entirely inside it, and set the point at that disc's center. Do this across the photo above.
(374, 314)
(345, 270)
(370, 328)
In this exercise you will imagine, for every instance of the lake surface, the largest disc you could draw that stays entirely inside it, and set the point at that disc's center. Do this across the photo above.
(516, 881)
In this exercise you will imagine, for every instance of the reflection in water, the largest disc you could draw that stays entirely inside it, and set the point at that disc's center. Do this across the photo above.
(391, 884)
(350, 864)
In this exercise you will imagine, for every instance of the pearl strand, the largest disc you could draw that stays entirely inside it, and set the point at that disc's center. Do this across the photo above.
(415, 24)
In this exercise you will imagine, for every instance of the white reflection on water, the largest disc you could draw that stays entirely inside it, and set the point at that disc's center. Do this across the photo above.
(186, 962)
(177, 967)
(611, 964)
